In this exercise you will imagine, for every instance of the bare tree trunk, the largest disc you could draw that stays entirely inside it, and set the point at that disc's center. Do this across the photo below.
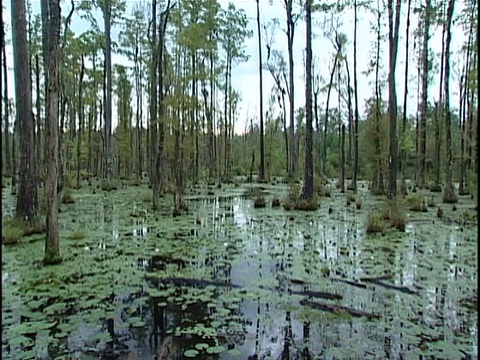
(285, 133)
(392, 96)
(378, 176)
(51, 19)
(81, 113)
(4, 131)
(38, 106)
(439, 115)
(317, 128)
(470, 112)
(308, 178)
(153, 123)
(402, 164)
(342, 159)
(107, 10)
(291, 91)
(327, 108)
(8, 145)
(449, 191)
(262, 146)
(350, 118)
(92, 120)
(355, 86)
(421, 182)
(27, 201)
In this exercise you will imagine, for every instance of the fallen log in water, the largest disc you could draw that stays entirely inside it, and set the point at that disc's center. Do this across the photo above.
(402, 289)
(370, 279)
(204, 283)
(350, 282)
(317, 294)
(338, 309)
(190, 282)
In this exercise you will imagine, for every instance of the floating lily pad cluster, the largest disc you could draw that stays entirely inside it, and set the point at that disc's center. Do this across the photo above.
(248, 276)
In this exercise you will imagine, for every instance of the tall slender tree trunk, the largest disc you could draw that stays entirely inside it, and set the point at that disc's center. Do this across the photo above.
(470, 111)
(402, 164)
(107, 10)
(27, 201)
(355, 86)
(327, 109)
(392, 96)
(449, 191)
(378, 187)
(350, 117)
(5, 130)
(464, 113)
(291, 92)
(342, 159)
(193, 121)
(52, 19)
(421, 182)
(38, 106)
(262, 146)
(439, 115)
(285, 132)
(318, 130)
(8, 144)
(225, 113)
(153, 123)
(81, 113)
(308, 178)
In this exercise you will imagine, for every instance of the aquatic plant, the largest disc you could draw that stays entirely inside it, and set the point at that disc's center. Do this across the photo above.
(11, 234)
(417, 203)
(358, 204)
(275, 202)
(259, 202)
(374, 224)
(77, 235)
(307, 204)
(449, 196)
(67, 196)
(398, 218)
(431, 201)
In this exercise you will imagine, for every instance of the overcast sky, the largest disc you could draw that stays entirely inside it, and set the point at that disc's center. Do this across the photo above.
(245, 75)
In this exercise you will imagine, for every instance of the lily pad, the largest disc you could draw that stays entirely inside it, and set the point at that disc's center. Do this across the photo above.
(139, 324)
(61, 335)
(234, 352)
(215, 349)
(201, 346)
(190, 353)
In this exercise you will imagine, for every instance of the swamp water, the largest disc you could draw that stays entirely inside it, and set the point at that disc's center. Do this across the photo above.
(227, 281)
